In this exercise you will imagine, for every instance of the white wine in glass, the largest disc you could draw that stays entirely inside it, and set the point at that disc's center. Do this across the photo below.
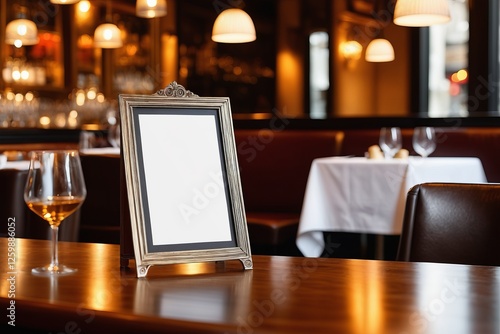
(55, 189)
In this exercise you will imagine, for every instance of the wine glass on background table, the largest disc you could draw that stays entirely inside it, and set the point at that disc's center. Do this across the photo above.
(114, 135)
(424, 140)
(55, 189)
(390, 141)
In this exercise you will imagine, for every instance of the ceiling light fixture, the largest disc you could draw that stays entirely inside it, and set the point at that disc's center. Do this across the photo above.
(421, 13)
(21, 31)
(64, 2)
(379, 50)
(151, 8)
(108, 35)
(233, 26)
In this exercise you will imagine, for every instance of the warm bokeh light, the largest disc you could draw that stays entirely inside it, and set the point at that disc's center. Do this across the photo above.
(84, 6)
(85, 41)
(460, 76)
(44, 121)
(10, 96)
(91, 94)
(16, 75)
(73, 114)
(25, 75)
(351, 49)
(80, 98)
(60, 120)
(100, 98)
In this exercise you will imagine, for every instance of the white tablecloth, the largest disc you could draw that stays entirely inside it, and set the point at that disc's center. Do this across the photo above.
(368, 196)
(101, 151)
(19, 165)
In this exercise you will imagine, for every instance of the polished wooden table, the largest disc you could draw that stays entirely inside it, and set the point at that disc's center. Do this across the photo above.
(281, 295)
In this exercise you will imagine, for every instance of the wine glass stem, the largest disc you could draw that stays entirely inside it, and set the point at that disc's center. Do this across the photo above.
(54, 263)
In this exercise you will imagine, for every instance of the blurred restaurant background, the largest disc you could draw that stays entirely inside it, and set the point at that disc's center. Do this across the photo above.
(310, 79)
(309, 60)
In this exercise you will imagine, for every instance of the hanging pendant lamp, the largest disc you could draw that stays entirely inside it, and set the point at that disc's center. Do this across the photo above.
(151, 8)
(379, 50)
(421, 13)
(108, 35)
(64, 2)
(233, 26)
(21, 32)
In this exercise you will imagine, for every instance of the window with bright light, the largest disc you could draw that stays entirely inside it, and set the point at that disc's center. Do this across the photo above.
(319, 78)
(448, 63)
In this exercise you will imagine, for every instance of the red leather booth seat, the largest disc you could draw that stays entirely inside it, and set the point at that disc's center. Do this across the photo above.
(100, 213)
(483, 143)
(274, 166)
(27, 224)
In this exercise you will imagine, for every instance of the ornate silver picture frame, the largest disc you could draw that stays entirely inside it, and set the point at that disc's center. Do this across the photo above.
(182, 177)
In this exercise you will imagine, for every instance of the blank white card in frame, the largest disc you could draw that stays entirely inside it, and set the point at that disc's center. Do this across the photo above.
(187, 199)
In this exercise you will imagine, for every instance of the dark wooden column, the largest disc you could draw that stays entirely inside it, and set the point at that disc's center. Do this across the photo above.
(483, 56)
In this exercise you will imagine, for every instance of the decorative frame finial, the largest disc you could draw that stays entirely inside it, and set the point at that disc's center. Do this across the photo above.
(175, 90)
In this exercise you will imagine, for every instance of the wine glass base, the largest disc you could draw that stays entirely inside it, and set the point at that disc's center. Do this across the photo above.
(52, 270)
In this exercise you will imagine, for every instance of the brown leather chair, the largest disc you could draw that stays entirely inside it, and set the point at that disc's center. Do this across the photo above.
(452, 223)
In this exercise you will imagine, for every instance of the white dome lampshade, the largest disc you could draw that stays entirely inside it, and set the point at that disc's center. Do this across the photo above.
(421, 13)
(379, 50)
(21, 32)
(64, 2)
(151, 8)
(107, 36)
(233, 26)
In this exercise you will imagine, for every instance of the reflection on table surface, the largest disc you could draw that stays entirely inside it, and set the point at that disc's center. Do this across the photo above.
(281, 294)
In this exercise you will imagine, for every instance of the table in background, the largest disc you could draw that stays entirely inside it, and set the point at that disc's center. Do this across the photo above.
(109, 151)
(280, 295)
(368, 196)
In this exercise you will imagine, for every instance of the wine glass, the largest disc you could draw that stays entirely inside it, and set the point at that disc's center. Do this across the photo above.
(390, 141)
(424, 140)
(55, 189)
(114, 135)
